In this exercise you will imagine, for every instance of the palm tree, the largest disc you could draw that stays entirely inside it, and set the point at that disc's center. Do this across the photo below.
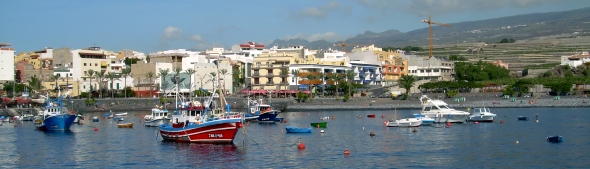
(68, 81)
(349, 77)
(322, 76)
(111, 77)
(202, 78)
(163, 82)
(150, 75)
(55, 78)
(224, 72)
(99, 76)
(177, 72)
(284, 73)
(90, 73)
(335, 77)
(35, 84)
(190, 72)
(311, 77)
(407, 81)
(295, 74)
(126, 73)
(237, 80)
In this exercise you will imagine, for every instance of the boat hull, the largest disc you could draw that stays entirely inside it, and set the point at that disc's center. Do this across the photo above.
(481, 118)
(445, 118)
(155, 122)
(291, 129)
(217, 131)
(320, 124)
(268, 116)
(555, 139)
(57, 122)
(125, 125)
(521, 118)
(27, 118)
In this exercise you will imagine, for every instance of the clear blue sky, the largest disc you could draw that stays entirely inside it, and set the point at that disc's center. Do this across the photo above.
(151, 25)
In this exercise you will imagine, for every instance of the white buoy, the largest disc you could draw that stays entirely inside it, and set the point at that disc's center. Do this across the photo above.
(517, 142)
(363, 128)
(321, 131)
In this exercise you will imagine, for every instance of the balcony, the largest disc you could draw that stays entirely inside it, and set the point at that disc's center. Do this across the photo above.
(284, 83)
(313, 82)
(255, 74)
(270, 83)
(304, 74)
(270, 75)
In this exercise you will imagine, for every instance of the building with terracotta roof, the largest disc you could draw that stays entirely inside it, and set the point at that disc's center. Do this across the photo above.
(576, 59)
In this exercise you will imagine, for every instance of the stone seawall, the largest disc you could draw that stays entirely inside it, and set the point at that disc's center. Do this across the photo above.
(460, 105)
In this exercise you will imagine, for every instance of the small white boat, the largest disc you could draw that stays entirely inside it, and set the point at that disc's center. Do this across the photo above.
(481, 115)
(407, 122)
(158, 117)
(95, 119)
(27, 117)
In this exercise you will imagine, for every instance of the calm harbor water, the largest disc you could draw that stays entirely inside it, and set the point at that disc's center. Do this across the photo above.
(487, 145)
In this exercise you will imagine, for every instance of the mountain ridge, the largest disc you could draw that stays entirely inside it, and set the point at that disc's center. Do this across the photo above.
(518, 27)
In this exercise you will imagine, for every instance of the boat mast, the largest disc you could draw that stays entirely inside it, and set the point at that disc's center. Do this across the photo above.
(176, 85)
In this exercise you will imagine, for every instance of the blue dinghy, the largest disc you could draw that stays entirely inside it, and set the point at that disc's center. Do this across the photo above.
(293, 129)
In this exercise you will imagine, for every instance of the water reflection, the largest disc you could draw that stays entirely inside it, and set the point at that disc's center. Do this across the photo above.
(204, 154)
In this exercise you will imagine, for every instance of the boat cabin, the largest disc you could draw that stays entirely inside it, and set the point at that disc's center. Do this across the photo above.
(481, 111)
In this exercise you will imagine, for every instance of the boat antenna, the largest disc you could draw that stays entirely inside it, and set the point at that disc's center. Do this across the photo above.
(221, 98)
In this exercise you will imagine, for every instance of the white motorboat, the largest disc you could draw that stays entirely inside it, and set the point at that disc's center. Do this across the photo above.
(119, 116)
(27, 117)
(441, 112)
(481, 115)
(158, 117)
(407, 122)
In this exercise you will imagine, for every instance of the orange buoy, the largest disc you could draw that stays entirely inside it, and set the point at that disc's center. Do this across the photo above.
(333, 118)
(95, 129)
(359, 116)
(346, 152)
(301, 145)
(448, 123)
(385, 123)
(285, 121)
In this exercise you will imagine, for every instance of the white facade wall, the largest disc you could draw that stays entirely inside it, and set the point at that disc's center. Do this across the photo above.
(7, 64)
(203, 78)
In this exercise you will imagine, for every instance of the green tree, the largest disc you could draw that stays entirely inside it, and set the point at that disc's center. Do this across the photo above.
(295, 74)
(407, 82)
(55, 78)
(335, 77)
(150, 75)
(310, 78)
(100, 77)
(111, 76)
(90, 73)
(34, 84)
(190, 72)
(322, 77)
(349, 75)
(126, 73)
(224, 72)
(163, 73)
(284, 75)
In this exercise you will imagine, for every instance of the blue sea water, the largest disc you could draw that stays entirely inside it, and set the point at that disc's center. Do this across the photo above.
(468, 145)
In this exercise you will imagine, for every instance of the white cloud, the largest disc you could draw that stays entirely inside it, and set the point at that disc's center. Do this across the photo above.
(328, 36)
(171, 33)
(321, 12)
(197, 38)
(438, 7)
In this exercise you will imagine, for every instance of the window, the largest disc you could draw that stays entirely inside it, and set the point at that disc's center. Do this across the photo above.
(270, 71)
(95, 64)
(84, 64)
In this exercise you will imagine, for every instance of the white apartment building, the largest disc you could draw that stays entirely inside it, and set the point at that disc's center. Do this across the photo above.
(367, 68)
(92, 58)
(432, 69)
(204, 79)
(576, 59)
(6, 63)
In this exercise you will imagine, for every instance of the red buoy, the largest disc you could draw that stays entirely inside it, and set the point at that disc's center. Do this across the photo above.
(448, 123)
(95, 129)
(346, 152)
(301, 146)
(382, 116)
(359, 116)
(385, 123)
(476, 122)
(285, 121)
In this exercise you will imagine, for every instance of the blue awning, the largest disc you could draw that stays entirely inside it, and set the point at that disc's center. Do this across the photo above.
(303, 86)
(368, 67)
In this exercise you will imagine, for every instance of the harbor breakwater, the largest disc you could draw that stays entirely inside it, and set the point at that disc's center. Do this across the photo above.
(329, 104)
